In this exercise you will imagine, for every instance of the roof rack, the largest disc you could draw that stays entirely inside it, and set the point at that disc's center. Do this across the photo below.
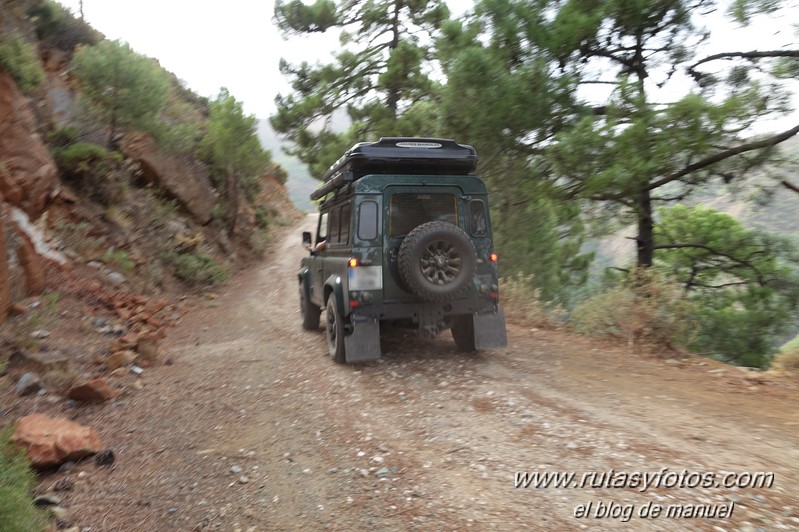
(394, 155)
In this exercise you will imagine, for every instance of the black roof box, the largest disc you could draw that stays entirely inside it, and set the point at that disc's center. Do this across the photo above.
(399, 155)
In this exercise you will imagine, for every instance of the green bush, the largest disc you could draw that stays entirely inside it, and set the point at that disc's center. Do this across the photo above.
(93, 170)
(261, 217)
(56, 26)
(196, 268)
(61, 138)
(120, 260)
(17, 512)
(20, 60)
(645, 307)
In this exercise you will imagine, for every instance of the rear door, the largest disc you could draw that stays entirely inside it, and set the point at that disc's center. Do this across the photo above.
(405, 208)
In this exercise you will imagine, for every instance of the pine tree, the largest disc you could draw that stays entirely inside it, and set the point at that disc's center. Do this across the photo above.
(380, 77)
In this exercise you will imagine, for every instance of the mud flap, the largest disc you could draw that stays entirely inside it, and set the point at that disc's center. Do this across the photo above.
(363, 345)
(489, 330)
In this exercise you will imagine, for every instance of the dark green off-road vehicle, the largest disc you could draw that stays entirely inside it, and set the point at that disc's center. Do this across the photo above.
(403, 239)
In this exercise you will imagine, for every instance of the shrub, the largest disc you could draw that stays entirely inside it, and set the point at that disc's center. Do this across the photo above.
(644, 307)
(17, 480)
(119, 259)
(521, 299)
(20, 60)
(79, 157)
(787, 362)
(94, 170)
(261, 217)
(196, 268)
(57, 27)
(63, 137)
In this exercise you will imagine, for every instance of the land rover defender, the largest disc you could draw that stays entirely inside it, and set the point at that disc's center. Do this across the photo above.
(403, 239)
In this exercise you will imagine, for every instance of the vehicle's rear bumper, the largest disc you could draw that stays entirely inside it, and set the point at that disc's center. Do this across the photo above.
(424, 312)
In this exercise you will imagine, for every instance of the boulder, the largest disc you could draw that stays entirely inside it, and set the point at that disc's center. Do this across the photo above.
(120, 359)
(28, 384)
(94, 390)
(182, 176)
(28, 173)
(49, 442)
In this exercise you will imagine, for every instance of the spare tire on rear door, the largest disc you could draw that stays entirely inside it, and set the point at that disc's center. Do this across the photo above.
(437, 261)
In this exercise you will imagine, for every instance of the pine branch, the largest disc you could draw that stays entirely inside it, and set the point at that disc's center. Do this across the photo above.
(721, 156)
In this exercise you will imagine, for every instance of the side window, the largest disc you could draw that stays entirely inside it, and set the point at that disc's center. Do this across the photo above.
(367, 220)
(322, 233)
(332, 236)
(478, 223)
(344, 232)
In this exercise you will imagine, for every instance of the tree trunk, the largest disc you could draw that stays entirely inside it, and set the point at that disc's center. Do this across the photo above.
(232, 200)
(645, 238)
(392, 100)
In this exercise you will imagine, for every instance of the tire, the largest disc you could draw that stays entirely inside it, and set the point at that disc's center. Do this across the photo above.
(335, 331)
(463, 333)
(310, 313)
(437, 261)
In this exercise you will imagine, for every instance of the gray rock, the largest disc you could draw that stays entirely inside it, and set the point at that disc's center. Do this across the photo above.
(117, 278)
(383, 472)
(28, 384)
(236, 469)
(58, 512)
(243, 480)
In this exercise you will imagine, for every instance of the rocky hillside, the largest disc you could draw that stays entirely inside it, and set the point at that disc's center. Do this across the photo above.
(108, 231)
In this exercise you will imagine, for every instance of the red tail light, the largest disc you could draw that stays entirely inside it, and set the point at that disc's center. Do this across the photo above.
(493, 257)
(352, 263)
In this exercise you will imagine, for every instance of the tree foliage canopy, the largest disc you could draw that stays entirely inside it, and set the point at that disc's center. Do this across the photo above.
(232, 149)
(126, 88)
(378, 78)
(743, 279)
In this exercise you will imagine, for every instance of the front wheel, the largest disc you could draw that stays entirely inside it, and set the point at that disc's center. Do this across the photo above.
(335, 331)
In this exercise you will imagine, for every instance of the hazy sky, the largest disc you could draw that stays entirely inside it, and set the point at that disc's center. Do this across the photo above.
(230, 43)
(233, 43)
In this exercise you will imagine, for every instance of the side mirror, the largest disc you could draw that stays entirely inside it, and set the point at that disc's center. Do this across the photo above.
(306, 239)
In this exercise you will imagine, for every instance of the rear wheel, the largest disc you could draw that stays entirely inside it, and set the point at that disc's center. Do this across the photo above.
(335, 331)
(463, 333)
(310, 312)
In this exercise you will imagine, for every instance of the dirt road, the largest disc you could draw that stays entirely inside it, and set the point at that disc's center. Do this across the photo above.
(254, 428)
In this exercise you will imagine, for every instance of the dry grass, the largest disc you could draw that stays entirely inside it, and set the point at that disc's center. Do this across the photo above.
(522, 300)
(645, 308)
(786, 363)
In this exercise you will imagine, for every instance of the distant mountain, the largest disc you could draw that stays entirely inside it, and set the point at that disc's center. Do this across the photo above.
(300, 184)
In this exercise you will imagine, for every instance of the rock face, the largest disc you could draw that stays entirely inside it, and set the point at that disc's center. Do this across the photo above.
(28, 176)
(183, 177)
(51, 441)
(27, 173)
(5, 284)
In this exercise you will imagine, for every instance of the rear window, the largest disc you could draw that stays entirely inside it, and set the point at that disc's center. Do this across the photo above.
(477, 218)
(410, 210)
